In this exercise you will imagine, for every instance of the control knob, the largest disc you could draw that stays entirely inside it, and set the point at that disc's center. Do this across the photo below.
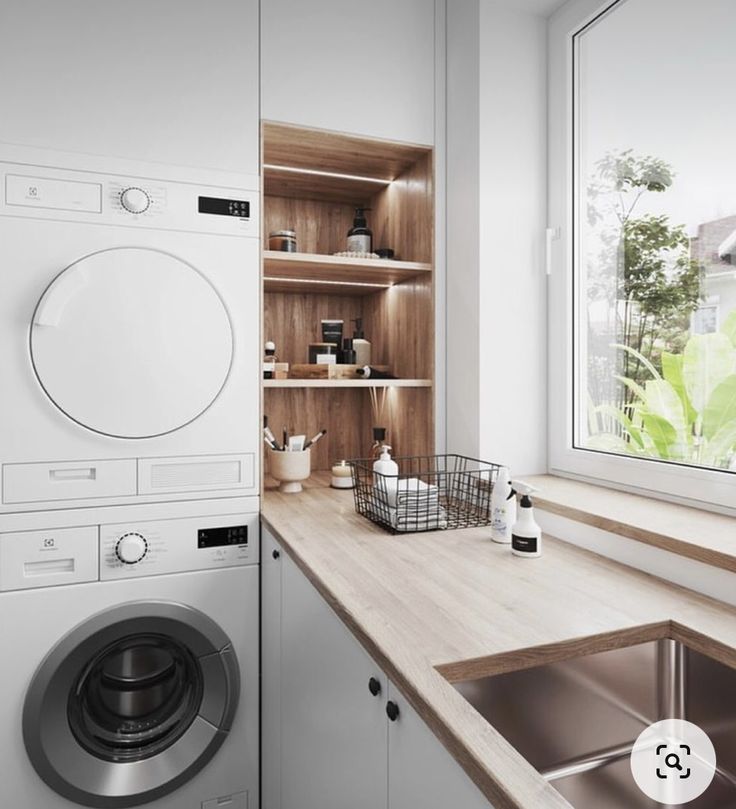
(135, 200)
(131, 548)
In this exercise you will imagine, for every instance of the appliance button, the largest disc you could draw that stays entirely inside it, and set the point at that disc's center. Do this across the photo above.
(131, 548)
(135, 200)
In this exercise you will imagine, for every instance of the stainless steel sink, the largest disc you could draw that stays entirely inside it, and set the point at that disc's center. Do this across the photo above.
(576, 720)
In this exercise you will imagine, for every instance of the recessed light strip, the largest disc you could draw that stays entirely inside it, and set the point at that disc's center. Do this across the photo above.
(333, 174)
(329, 283)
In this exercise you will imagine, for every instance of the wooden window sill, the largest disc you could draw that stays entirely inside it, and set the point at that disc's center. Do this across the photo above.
(702, 535)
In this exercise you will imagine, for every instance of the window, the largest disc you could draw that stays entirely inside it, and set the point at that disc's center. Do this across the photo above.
(643, 290)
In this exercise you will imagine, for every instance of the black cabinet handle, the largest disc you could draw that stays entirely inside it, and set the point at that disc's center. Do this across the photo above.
(374, 686)
(392, 710)
(275, 554)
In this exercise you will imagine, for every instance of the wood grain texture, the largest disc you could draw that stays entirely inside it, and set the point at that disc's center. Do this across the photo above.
(398, 320)
(452, 599)
(520, 659)
(402, 215)
(337, 268)
(293, 321)
(701, 535)
(400, 324)
(308, 410)
(301, 147)
(321, 227)
(347, 190)
(346, 413)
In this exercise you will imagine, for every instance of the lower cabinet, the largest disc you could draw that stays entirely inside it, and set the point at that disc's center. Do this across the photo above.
(336, 734)
(421, 773)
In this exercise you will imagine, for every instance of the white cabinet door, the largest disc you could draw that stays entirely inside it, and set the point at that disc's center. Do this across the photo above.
(422, 773)
(351, 66)
(333, 729)
(271, 556)
(174, 81)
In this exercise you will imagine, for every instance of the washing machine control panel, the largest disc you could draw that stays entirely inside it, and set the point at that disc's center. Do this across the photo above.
(176, 546)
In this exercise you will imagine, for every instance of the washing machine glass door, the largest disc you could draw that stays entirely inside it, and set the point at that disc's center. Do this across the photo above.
(131, 342)
(131, 704)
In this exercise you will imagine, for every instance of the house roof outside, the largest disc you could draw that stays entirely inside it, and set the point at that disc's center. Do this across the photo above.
(715, 245)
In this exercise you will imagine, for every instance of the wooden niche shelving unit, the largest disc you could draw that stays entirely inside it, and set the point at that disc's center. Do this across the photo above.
(312, 182)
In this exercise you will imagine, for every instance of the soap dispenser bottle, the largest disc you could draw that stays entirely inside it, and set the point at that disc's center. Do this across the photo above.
(386, 474)
(360, 236)
(361, 346)
(526, 535)
(503, 507)
(269, 360)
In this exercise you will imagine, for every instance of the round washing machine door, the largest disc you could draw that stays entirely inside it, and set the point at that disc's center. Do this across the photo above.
(131, 342)
(131, 704)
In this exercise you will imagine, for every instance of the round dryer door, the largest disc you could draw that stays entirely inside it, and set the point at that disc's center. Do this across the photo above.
(131, 704)
(131, 342)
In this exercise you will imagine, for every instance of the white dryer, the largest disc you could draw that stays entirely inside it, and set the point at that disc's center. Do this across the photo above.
(129, 337)
(130, 658)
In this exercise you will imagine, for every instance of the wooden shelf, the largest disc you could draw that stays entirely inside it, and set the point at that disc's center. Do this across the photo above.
(347, 383)
(354, 191)
(337, 153)
(307, 272)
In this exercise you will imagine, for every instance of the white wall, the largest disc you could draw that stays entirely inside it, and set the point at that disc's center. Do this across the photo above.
(351, 66)
(463, 222)
(496, 291)
(173, 82)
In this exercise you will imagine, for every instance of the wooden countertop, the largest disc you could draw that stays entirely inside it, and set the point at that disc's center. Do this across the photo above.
(452, 605)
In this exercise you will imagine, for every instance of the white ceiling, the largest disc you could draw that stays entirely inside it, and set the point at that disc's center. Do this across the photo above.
(544, 7)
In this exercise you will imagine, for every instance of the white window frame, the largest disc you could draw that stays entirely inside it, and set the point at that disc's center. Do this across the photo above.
(703, 488)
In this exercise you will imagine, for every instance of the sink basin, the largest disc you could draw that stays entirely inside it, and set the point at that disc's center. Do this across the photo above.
(575, 721)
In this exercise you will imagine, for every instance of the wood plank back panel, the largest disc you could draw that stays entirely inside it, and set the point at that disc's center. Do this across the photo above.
(309, 410)
(408, 420)
(400, 325)
(347, 415)
(321, 227)
(402, 215)
(293, 321)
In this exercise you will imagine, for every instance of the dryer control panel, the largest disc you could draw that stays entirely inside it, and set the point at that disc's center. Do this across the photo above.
(131, 550)
(43, 192)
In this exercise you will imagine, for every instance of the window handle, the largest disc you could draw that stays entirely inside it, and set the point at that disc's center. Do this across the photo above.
(552, 234)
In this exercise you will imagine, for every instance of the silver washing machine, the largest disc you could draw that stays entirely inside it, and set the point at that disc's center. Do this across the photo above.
(131, 664)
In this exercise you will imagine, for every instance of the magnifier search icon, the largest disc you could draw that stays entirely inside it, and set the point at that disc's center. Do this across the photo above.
(673, 760)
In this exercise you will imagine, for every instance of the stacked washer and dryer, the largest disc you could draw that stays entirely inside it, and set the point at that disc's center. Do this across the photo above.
(129, 445)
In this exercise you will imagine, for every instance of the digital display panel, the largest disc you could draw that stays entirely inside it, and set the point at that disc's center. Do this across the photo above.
(222, 537)
(225, 207)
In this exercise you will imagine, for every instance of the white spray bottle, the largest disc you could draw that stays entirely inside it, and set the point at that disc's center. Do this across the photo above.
(503, 507)
(526, 535)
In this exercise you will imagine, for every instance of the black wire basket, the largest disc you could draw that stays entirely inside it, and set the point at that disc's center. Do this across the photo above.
(431, 493)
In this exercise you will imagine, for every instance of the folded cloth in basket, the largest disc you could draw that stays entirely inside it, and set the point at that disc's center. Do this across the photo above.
(410, 492)
(414, 491)
(428, 519)
(425, 520)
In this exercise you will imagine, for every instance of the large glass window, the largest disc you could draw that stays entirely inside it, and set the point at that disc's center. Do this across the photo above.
(654, 233)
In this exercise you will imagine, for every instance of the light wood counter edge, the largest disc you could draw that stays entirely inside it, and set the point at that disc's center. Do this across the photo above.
(472, 764)
(691, 532)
